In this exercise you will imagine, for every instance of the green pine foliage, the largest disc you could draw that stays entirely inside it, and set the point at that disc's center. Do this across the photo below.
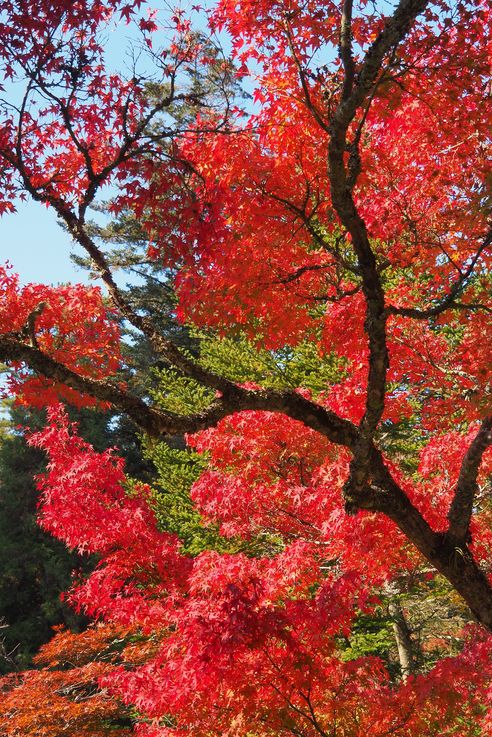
(179, 394)
(372, 635)
(177, 469)
(239, 360)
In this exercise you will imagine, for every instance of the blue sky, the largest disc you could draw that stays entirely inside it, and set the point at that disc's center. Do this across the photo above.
(37, 247)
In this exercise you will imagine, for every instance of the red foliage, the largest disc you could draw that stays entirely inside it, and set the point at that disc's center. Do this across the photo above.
(250, 642)
(251, 645)
(72, 325)
(139, 564)
(62, 697)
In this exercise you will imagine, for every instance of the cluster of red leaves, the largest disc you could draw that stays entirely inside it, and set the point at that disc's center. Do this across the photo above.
(79, 125)
(249, 643)
(245, 182)
(84, 503)
(425, 170)
(287, 479)
(76, 689)
(422, 192)
(440, 463)
(72, 325)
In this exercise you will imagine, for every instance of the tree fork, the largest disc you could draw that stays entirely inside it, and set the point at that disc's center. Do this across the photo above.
(448, 556)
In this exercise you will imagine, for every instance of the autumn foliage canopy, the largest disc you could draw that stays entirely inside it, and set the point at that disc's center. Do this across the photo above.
(332, 232)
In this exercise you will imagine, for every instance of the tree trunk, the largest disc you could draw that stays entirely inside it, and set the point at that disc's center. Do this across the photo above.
(403, 639)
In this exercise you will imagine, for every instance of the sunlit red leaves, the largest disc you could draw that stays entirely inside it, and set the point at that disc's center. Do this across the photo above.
(247, 640)
(84, 503)
(425, 164)
(242, 196)
(440, 464)
(262, 690)
(287, 480)
(270, 688)
(242, 642)
(433, 701)
(72, 324)
(250, 644)
(445, 362)
(77, 121)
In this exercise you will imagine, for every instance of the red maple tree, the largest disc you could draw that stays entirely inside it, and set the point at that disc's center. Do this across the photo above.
(349, 211)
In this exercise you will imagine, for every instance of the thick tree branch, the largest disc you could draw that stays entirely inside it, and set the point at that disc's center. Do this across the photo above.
(341, 186)
(462, 505)
(153, 421)
(159, 423)
(395, 29)
(345, 49)
(403, 638)
(454, 561)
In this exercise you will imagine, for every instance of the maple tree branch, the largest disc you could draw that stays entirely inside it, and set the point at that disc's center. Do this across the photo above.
(333, 299)
(353, 97)
(345, 49)
(341, 186)
(473, 306)
(158, 423)
(461, 509)
(295, 275)
(394, 31)
(309, 717)
(449, 301)
(313, 717)
(315, 232)
(67, 120)
(153, 421)
(448, 556)
(302, 76)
